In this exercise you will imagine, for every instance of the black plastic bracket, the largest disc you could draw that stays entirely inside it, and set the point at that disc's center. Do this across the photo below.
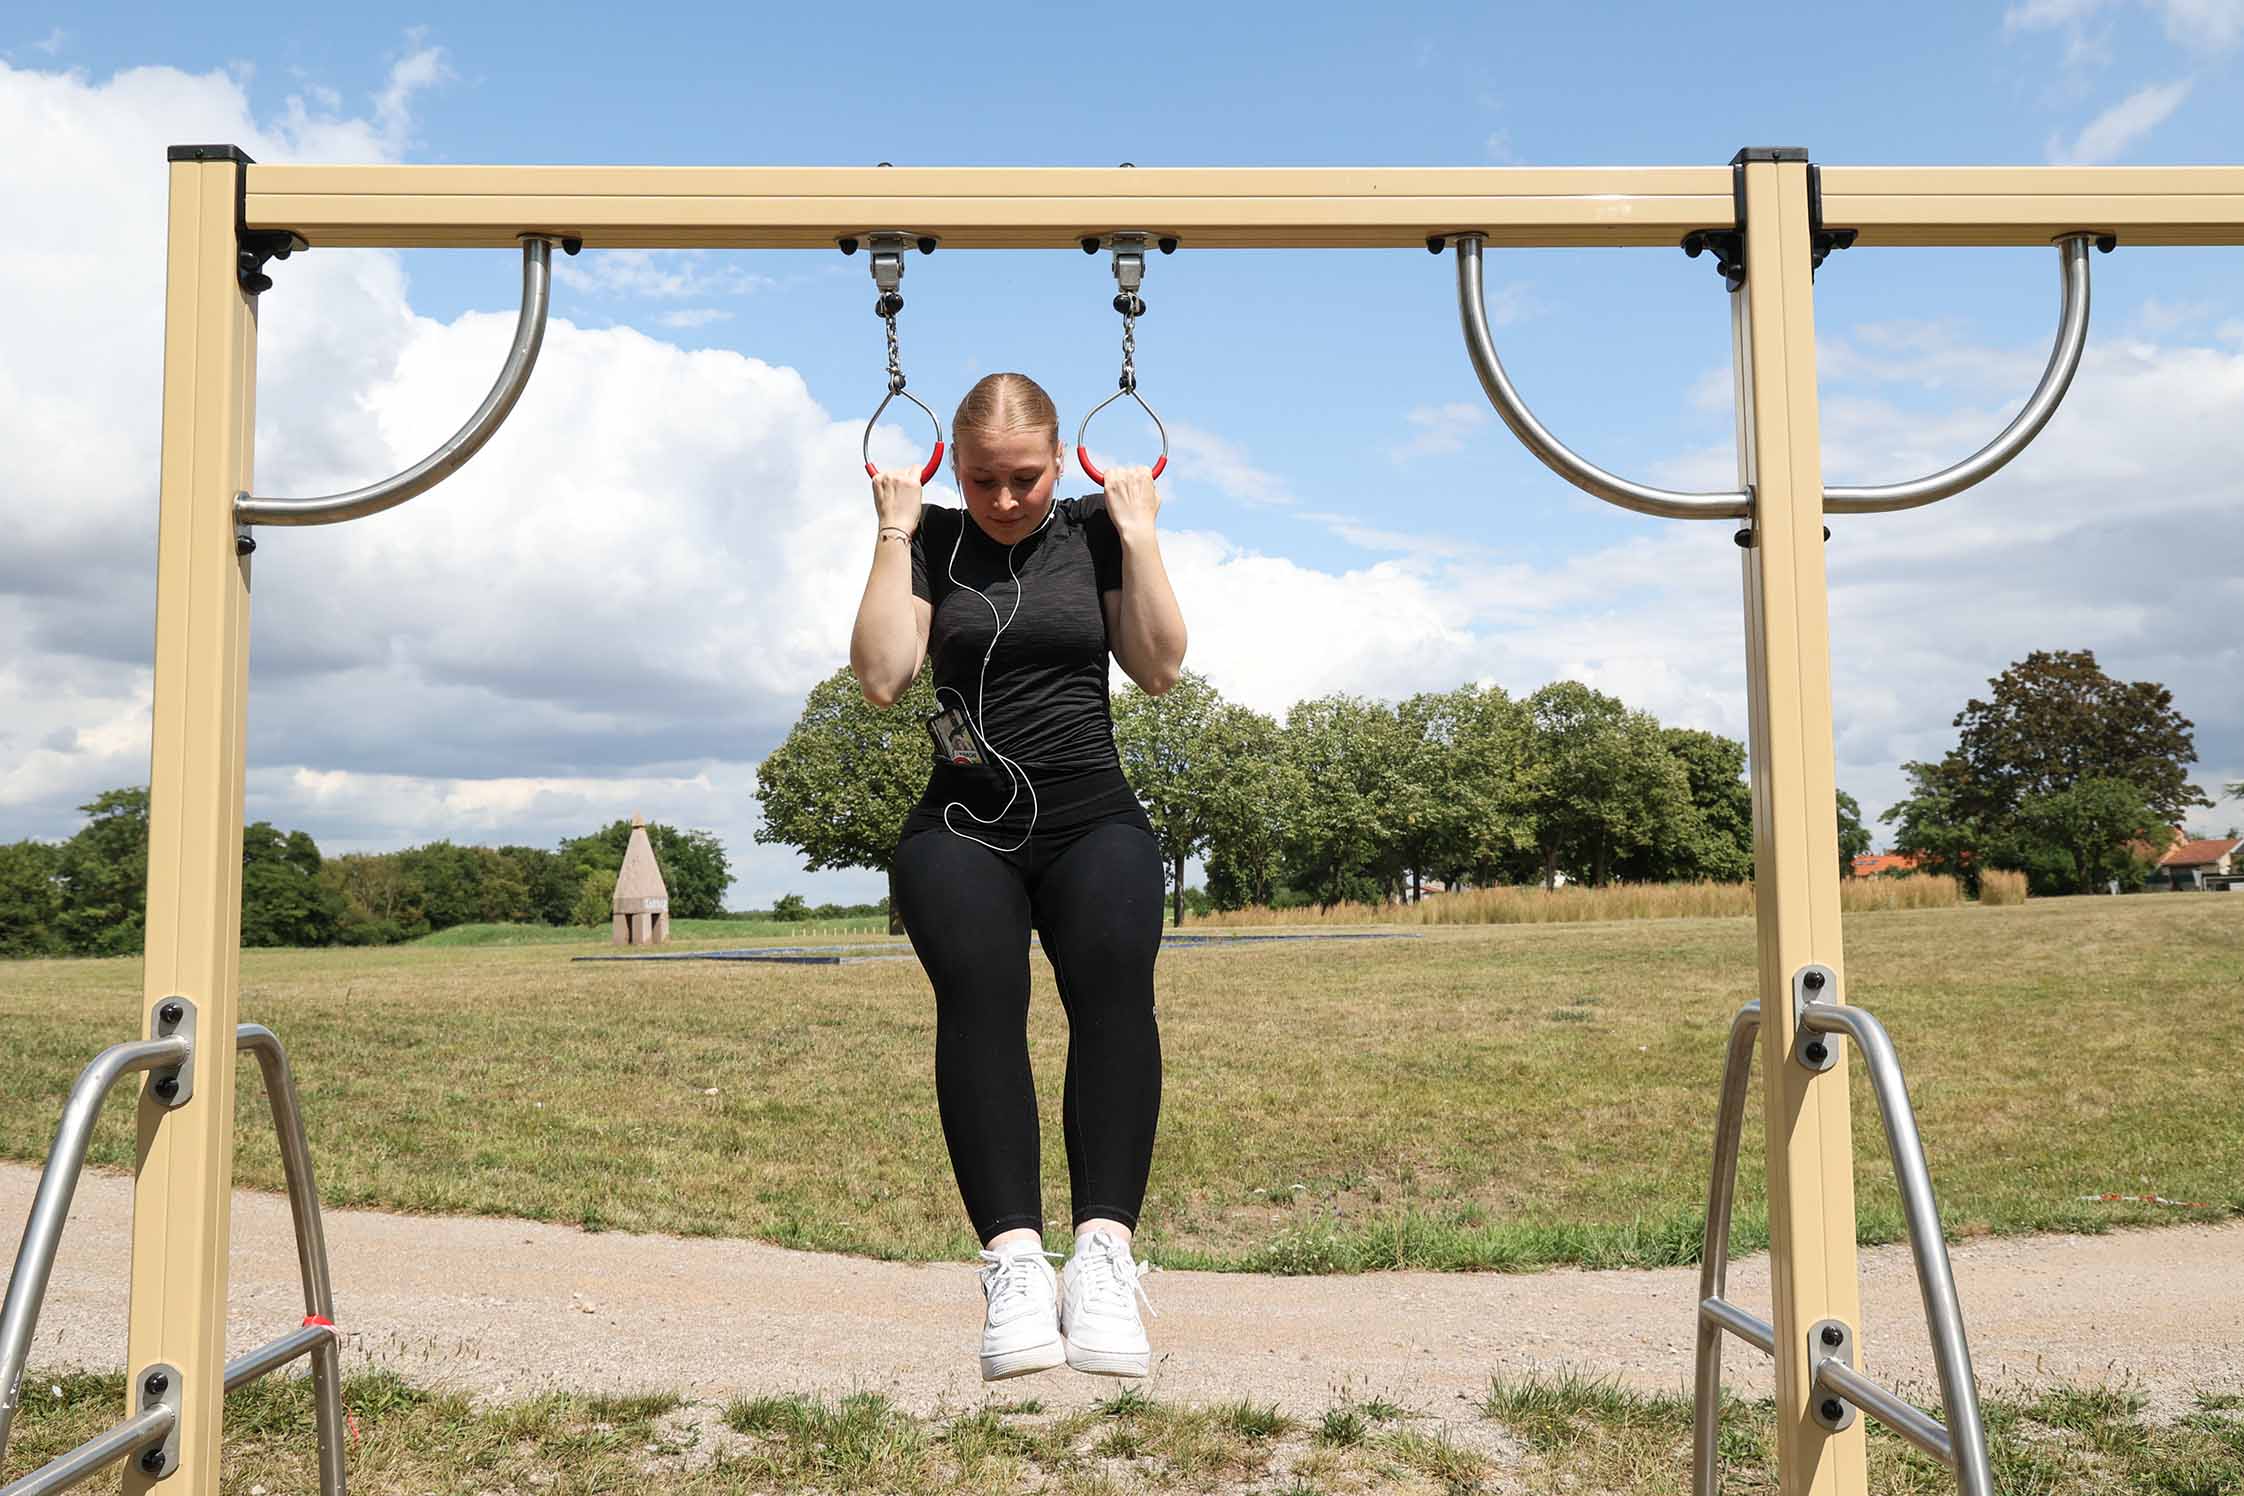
(1728, 244)
(1821, 240)
(252, 249)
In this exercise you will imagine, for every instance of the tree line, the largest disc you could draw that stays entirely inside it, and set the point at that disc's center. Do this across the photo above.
(2063, 773)
(87, 895)
(1348, 798)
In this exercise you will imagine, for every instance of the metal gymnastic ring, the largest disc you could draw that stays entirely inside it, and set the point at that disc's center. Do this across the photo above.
(1083, 453)
(865, 449)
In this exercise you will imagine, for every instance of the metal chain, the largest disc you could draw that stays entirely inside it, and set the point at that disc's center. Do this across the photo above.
(1129, 351)
(895, 359)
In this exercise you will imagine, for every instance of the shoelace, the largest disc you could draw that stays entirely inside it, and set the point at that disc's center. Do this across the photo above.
(1109, 1276)
(1010, 1275)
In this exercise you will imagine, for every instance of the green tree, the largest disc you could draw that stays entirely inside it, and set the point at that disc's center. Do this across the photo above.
(1251, 794)
(1598, 782)
(284, 902)
(381, 902)
(103, 872)
(2078, 839)
(1163, 742)
(548, 879)
(838, 789)
(2055, 719)
(1934, 825)
(596, 897)
(790, 909)
(1342, 841)
(1714, 839)
(30, 899)
(2050, 722)
(1854, 837)
(1459, 802)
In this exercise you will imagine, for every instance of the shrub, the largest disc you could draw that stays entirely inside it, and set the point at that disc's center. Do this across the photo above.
(2001, 886)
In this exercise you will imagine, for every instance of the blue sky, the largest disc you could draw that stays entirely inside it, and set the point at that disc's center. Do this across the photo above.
(1340, 458)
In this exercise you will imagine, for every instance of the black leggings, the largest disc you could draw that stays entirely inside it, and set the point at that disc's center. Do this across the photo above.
(1093, 893)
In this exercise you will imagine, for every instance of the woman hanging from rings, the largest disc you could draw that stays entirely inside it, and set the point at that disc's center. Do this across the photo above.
(1027, 823)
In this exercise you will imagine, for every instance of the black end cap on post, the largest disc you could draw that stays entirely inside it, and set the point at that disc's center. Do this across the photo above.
(252, 249)
(233, 153)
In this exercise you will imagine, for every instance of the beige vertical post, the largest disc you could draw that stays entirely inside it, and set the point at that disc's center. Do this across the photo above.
(1795, 815)
(181, 1200)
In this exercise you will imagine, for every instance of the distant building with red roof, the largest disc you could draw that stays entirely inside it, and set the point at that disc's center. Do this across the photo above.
(2188, 864)
(1870, 864)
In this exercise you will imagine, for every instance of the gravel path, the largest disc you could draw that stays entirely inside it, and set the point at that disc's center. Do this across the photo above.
(507, 1308)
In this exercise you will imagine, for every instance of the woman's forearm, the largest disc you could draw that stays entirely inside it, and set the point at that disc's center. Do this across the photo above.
(884, 646)
(1150, 641)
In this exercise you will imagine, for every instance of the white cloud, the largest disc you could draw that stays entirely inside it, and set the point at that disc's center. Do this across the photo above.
(1438, 429)
(2037, 15)
(52, 43)
(1222, 464)
(620, 604)
(1499, 148)
(688, 318)
(2217, 24)
(2120, 128)
(666, 275)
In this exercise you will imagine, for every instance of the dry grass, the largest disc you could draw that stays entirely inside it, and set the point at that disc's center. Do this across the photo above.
(1998, 887)
(1579, 904)
(1478, 1097)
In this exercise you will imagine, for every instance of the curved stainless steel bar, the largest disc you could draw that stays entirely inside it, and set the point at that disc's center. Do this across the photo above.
(139, 1432)
(1936, 1281)
(1555, 454)
(1714, 1255)
(50, 1207)
(529, 333)
(2064, 360)
(311, 1255)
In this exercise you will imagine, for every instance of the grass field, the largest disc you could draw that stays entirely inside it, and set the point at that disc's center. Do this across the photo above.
(1482, 1097)
(1543, 1435)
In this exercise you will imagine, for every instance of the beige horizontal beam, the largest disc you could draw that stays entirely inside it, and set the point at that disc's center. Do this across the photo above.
(986, 207)
(753, 207)
(2035, 204)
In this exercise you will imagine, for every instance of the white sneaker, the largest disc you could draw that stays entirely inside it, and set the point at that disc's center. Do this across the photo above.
(1099, 1294)
(1020, 1326)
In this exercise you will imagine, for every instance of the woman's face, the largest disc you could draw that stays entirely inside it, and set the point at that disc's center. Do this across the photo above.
(1006, 478)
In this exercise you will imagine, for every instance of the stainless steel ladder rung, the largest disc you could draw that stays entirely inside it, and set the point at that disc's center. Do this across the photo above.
(152, 1427)
(1961, 1442)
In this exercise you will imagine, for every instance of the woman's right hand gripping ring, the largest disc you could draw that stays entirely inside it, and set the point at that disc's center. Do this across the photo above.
(934, 463)
(1083, 453)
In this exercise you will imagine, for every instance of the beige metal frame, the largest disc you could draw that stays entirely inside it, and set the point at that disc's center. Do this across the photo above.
(202, 634)
(1795, 813)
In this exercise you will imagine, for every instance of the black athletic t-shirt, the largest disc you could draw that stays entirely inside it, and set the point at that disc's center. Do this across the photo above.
(1045, 702)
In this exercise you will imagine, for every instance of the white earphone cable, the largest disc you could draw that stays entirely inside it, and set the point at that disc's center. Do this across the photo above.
(1013, 771)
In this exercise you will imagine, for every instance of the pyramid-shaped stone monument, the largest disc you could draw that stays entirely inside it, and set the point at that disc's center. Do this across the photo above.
(642, 903)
